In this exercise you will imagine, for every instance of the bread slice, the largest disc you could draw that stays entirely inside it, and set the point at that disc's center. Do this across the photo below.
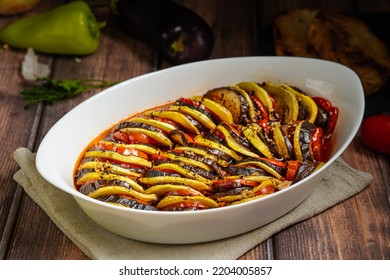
(348, 40)
(333, 36)
(290, 30)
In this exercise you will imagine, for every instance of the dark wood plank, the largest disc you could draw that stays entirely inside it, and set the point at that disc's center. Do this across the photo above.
(17, 129)
(358, 228)
(120, 57)
(327, 236)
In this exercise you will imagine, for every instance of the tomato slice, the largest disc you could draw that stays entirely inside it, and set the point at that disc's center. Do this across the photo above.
(190, 102)
(333, 112)
(292, 169)
(133, 138)
(316, 144)
(158, 157)
(261, 107)
(265, 190)
(229, 182)
(275, 162)
(123, 150)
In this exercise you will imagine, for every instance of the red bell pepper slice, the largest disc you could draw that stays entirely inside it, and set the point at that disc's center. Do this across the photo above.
(332, 111)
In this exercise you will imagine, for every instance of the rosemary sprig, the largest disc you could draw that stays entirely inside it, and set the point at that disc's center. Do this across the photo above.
(54, 90)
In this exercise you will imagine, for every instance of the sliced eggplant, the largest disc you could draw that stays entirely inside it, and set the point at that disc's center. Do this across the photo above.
(234, 144)
(216, 152)
(148, 130)
(307, 168)
(126, 202)
(203, 152)
(273, 170)
(90, 186)
(244, 171)
(302, 140)
(187, 171)
(230, 99)
(212, 165)
(187, 160)
(252, 114)
(178, 136)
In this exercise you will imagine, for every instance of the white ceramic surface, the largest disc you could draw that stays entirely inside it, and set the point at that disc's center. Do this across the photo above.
(61, 147)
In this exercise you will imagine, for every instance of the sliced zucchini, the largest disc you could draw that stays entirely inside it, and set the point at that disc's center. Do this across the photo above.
(158, 136)
(165, 188)
(297, 142)
(255, 140)
(218, 110)
(214, 145)
(264, 184)
(115, 190)
(307, 102)
(166, 127)
(197, 115)
(92, 176)
(183, 171)
(279, 140)
(140, 147)
(107, 167)
(230, 99)
(186, 160)
(203, 153)
(119, 157)
(286, 102)
(252, 114)
(179, 118)
(232, 143)
(263, 166)
(262, 95)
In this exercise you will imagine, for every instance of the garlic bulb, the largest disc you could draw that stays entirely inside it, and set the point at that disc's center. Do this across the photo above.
(32, 70)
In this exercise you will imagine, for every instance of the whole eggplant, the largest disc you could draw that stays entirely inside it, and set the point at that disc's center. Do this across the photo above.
(179, 34)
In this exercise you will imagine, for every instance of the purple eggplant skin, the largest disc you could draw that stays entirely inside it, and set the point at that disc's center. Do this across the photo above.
(179, 34)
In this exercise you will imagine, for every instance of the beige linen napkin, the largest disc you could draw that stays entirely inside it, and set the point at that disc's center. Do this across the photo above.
(340, 183)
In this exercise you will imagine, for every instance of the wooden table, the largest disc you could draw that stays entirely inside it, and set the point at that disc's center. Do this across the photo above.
(358, 228)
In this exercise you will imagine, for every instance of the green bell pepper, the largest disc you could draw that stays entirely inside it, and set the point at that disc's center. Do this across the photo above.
(69, 29)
